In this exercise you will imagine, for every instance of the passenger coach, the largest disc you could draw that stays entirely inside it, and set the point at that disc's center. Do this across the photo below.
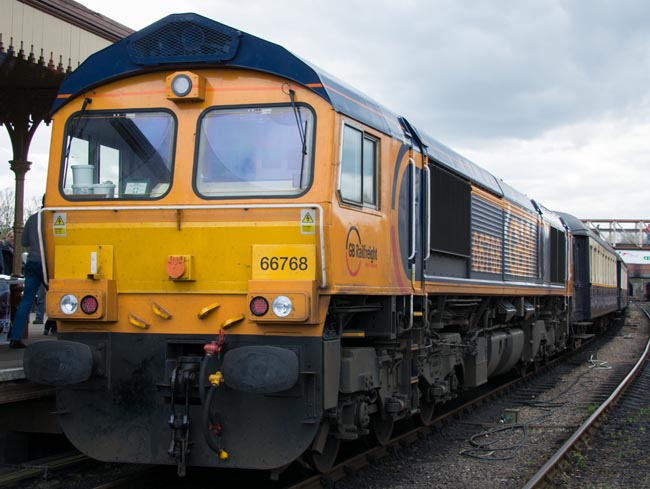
(600, 276)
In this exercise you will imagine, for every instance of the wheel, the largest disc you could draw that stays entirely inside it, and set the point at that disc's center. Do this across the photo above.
(521, 369)
(322, 462)
(381, 429)
(427, 407)
(425, 415)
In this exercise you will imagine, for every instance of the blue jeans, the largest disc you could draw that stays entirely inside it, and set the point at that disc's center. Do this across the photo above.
(33, 281)
(40, 304)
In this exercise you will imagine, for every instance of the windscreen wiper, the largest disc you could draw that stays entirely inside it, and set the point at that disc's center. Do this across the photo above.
(73, 128)
(302, 131)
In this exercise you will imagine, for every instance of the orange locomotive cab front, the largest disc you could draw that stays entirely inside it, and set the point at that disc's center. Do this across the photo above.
(160, 245)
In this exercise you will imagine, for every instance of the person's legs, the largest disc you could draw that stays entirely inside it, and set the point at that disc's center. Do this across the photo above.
(50, 326)
(40, 305)
(33, 280)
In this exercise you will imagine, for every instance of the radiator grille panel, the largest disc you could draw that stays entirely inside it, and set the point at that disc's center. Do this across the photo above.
(184, 41)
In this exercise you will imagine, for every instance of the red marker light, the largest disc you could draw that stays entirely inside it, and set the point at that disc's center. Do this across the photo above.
(259, 306)
(89, 304)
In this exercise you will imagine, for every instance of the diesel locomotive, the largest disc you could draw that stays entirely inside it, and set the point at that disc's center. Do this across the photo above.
(250, 262)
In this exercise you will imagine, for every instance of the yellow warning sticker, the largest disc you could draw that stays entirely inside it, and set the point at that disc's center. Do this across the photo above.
(59, 226)
(307, 221)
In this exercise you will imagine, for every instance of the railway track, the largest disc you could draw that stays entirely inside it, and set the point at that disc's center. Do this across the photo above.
(531, 387)
(73, 469)
(637, 381)
(41, 468)
(524, 388)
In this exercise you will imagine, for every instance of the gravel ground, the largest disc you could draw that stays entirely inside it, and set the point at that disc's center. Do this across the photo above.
(446, 458)
(616, 456)
(84, 477)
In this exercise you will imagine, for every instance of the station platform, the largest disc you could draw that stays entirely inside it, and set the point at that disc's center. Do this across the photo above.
(11, 361)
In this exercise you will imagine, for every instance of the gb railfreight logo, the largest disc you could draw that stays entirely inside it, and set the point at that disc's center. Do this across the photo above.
(357, 252)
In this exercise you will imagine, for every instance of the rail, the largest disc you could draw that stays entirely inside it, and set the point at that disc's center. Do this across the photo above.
(350, 465)
(41, 467)
(567, 447)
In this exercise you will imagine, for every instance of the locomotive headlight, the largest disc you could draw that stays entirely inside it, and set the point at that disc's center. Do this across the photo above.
(185, 86)
(81, 300)
(68, 304)
(181, 85)
(282, 306)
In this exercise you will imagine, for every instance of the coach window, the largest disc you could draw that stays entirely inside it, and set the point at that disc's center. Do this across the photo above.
(358, 177)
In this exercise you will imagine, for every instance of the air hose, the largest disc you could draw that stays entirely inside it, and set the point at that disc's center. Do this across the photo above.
(212, 426)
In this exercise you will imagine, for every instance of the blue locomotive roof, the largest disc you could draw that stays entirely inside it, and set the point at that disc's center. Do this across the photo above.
(194, 40)
(517, 197)
(198, 42)
(552, 218)
(459, 164)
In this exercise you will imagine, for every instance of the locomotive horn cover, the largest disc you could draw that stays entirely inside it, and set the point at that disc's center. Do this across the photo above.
(58, 362)
(260, 369)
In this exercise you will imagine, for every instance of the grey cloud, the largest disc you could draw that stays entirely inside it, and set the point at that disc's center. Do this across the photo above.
(483, 75)
(463, 70)
(470, 70)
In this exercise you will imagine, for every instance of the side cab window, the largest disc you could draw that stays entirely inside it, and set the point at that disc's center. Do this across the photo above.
(358, 175)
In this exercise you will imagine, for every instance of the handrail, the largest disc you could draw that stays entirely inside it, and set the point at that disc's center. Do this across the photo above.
(412, 216)
(427, 252)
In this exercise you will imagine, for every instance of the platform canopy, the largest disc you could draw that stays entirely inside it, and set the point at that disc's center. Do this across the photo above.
(41, 41)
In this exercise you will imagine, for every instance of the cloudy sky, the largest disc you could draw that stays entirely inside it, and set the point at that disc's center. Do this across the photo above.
(551, 96)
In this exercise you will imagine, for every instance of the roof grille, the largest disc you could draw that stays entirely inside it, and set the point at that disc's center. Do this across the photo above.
(182, 41)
